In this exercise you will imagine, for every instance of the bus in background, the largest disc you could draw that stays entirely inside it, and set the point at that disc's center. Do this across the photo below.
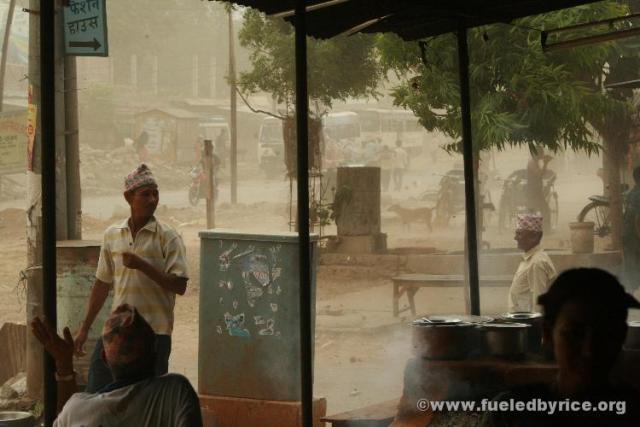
(389, 125)
(343, 139)
(344, 125)
(341, 129)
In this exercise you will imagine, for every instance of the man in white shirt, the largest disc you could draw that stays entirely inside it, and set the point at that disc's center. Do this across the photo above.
(136, 397)
(536, 271)
(143, 260)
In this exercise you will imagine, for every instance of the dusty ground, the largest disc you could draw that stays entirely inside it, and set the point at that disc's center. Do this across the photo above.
(352, 369)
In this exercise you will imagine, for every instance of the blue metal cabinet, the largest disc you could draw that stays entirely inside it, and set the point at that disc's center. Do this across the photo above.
(249, 344)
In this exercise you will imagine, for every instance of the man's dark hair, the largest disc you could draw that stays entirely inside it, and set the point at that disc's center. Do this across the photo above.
(592, 286)
(636, 175)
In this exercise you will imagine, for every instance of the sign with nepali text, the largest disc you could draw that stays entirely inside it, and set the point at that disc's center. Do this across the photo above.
(85, 28)
(13, 142)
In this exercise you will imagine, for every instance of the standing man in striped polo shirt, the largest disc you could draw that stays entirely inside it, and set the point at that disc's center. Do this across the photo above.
(143, 261)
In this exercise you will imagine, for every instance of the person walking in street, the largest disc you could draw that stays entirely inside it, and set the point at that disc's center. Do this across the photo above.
(400, 163)
(143, 260)
(141, 147)
(385, 161)
(536, 270)
(222, 147)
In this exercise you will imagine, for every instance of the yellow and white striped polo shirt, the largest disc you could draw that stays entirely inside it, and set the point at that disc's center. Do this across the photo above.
(159, 245)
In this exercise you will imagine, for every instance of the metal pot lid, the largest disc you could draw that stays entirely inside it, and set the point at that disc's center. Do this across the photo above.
(435, 321)
(476, 319)
(497, 325)
(522, 315)
(441, 320)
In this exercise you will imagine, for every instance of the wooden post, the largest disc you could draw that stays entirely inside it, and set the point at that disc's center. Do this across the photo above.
(208, 165)
(74, 198)
(469, 173)
(60, 137)
(5, 50)
(233, 158)
(48, 125)
(302, 136)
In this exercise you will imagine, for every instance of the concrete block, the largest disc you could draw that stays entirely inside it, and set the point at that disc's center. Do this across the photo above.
(367, 244)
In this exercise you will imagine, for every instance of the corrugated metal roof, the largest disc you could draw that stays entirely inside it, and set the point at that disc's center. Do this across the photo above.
(410, 19)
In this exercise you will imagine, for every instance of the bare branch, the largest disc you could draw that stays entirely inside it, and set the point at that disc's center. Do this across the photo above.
(255, 110)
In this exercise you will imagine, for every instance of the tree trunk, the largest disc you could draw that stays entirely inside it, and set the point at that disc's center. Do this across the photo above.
(611, 166)
(478, 199)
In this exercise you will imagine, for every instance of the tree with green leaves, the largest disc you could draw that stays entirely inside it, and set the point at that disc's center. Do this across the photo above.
(338, 68)
(520, 95)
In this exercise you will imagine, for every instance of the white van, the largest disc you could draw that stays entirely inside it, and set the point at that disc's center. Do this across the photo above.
(211, 127)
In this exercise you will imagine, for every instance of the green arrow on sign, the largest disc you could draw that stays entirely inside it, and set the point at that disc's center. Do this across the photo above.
(95, 44)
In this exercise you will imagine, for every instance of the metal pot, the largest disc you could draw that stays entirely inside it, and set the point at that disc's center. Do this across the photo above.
(534, 333)
(439, 339)
(17, 419)
(505, 339)
(632, 341)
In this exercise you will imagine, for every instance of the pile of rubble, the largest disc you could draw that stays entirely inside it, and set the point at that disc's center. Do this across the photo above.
(13, 392)
(13, 380)
(102, 171)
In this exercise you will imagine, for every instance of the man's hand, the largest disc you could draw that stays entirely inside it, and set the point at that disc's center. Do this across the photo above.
(60, 349)
(170, 282)
(133, 261)
(79, 340)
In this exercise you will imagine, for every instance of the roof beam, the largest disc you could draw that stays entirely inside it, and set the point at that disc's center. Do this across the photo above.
(311, 8)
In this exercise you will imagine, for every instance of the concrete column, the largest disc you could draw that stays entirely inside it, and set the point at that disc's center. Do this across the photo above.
(194, 75)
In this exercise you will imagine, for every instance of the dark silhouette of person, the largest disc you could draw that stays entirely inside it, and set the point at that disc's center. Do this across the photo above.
(222, 147)
(585, 324)
(141, 146)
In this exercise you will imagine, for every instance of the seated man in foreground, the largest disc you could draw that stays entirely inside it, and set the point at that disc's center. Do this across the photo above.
(137, 397)
(585, 323)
